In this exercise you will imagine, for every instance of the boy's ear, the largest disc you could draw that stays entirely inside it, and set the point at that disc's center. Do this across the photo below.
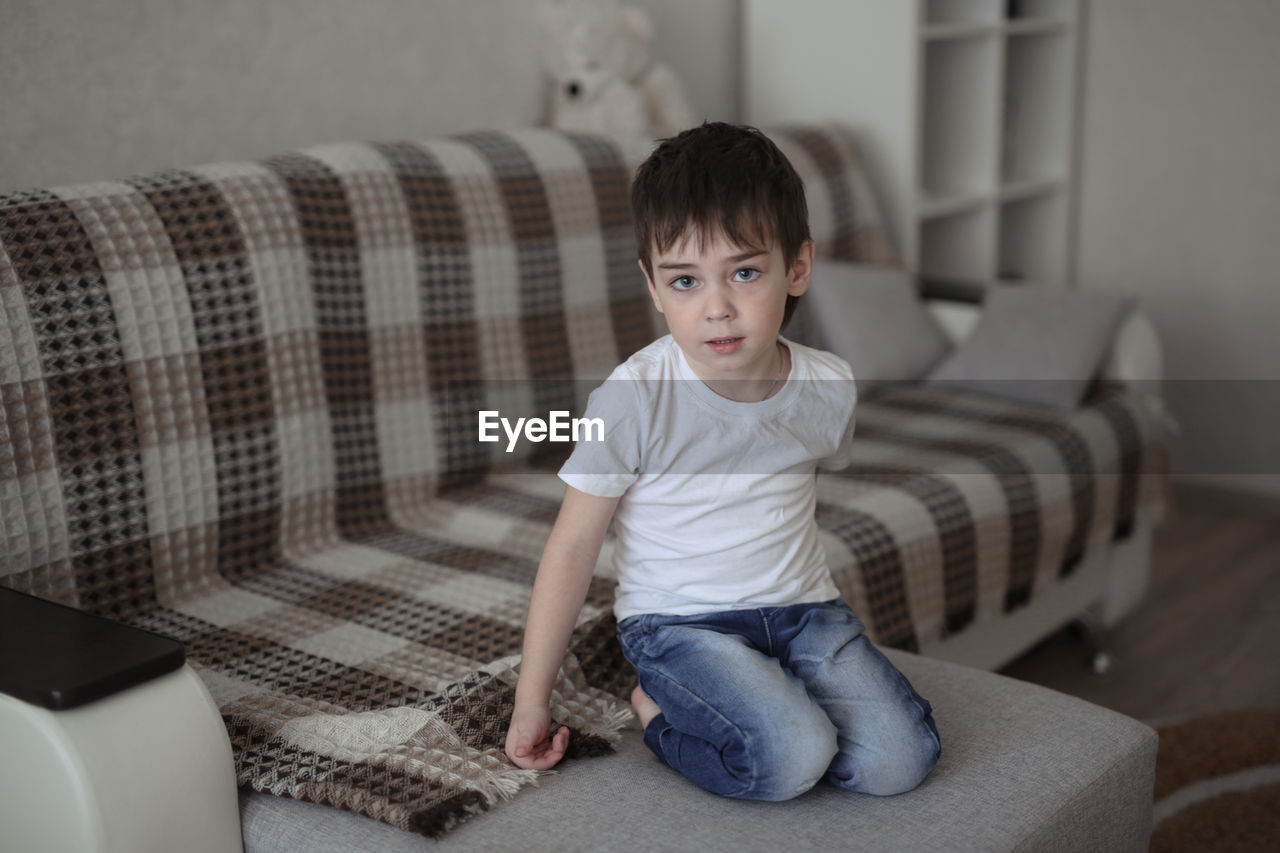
(801, 270)
(653, 291)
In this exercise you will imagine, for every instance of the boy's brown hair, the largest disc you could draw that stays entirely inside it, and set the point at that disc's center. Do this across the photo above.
(719, 178)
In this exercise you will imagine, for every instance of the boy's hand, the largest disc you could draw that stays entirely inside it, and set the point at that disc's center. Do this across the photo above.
(527, 744)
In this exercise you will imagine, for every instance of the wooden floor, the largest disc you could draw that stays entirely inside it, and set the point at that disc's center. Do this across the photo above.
(1207, 637)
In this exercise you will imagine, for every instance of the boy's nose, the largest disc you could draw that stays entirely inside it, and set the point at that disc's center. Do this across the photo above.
(717, 305)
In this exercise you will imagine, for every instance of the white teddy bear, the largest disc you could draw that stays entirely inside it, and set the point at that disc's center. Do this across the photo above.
(602, 74)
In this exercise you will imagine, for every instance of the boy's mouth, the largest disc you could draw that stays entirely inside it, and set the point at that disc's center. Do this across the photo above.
(724, 346)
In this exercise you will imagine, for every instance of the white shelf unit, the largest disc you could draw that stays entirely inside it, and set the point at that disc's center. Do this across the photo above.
(966, 111)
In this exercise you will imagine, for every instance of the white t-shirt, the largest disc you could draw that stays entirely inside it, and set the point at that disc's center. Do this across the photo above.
(718, 497)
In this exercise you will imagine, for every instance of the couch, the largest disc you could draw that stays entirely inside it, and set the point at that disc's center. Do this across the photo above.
(239, 409)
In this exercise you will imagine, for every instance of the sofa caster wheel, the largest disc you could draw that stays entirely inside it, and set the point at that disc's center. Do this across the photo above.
(1095, 634)
(1103, 662)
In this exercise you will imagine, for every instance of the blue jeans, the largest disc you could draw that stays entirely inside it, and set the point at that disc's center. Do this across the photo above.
(761, 704)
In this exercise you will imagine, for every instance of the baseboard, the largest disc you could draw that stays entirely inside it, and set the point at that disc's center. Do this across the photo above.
(1224, 497)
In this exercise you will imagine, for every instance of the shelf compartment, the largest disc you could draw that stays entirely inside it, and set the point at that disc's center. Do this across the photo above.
(1041, 10)
(937, 12)
(1037, 132)
(1031, 239)
(959, 142)
(959, 246)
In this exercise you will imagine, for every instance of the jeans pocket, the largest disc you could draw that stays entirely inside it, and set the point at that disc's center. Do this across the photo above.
(632, 633)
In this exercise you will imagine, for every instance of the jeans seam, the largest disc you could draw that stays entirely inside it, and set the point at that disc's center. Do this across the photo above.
(919, 702)
(768, 632)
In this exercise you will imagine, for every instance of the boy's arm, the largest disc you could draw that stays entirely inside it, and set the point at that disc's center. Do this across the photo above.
(564, 574)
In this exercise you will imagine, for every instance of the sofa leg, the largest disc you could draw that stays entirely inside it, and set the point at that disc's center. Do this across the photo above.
(1096, 635)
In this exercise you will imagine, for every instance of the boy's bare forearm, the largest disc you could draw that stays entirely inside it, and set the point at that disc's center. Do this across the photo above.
(558, 594)
(564, 575)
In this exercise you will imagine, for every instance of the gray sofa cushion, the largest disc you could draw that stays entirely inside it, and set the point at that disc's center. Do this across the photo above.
(1038, 344)
(1023, 768)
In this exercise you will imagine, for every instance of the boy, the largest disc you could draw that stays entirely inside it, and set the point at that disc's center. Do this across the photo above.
(755, 680)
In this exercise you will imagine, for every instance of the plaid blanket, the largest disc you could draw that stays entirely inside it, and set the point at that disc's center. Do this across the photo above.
(959, 507)
(237, 408)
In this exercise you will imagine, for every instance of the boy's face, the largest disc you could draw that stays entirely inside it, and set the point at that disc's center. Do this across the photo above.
(724, 303)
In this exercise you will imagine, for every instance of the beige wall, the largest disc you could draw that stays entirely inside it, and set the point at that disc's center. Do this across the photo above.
(101, 90)
(1180, 205)
(699, 39)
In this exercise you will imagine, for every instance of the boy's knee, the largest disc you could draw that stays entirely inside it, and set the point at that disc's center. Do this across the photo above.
(793, 764)
(886, 772)
(899, 776)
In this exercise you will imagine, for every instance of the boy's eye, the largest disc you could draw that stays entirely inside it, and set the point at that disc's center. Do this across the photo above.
(684, 282)
(746, 274)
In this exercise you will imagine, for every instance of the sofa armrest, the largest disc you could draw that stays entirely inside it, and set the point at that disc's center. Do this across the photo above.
(137, 767)
(1136, 355)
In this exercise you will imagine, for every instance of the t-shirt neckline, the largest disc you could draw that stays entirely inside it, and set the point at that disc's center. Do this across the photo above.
(759, 409)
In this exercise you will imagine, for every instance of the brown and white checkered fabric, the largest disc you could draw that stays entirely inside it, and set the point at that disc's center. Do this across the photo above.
(237, 407)
(961, 507)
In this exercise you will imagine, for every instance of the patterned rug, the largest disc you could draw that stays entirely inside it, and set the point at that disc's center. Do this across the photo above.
(1218, 783)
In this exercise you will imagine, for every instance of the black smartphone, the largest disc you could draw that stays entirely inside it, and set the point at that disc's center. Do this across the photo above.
(58, 657)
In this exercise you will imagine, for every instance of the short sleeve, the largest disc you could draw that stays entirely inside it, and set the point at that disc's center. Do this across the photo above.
(606, 461)
(843, 457)
(843, 394)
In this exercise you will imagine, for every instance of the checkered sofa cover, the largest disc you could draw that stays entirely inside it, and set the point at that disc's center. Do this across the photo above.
(237, 408)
